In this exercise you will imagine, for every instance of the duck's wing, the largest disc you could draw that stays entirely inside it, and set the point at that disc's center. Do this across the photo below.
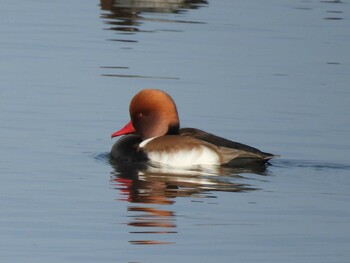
(232, 157)
(243, 150)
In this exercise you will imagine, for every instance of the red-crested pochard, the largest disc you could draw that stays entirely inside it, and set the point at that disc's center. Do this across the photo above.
(154, 136)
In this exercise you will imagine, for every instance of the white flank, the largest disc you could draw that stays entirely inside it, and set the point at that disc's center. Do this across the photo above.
(183, 158)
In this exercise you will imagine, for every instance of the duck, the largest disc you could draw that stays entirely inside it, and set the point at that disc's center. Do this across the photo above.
(153, 136)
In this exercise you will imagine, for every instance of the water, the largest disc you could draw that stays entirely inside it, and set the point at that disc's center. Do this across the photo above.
(273, 75)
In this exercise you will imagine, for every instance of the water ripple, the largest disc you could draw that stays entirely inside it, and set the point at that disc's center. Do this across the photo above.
(285, 163)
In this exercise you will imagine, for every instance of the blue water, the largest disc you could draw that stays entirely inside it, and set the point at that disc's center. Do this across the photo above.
(273, 75)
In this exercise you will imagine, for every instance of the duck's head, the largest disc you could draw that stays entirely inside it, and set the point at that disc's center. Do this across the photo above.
(153, 113)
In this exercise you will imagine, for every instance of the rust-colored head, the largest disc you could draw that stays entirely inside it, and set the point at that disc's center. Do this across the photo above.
(153, 113)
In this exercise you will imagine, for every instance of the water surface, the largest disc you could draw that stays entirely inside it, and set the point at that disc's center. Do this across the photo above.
(272, 75)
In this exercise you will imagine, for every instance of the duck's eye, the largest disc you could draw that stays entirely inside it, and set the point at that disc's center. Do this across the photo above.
(139, 115)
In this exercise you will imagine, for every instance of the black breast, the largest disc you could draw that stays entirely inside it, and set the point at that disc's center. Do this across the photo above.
(126, 150)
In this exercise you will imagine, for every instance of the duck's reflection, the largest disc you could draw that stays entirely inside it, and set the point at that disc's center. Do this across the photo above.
(126, 15)
(151, 192)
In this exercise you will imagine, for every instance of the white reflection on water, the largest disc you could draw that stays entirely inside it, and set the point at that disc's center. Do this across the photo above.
(149, 189)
